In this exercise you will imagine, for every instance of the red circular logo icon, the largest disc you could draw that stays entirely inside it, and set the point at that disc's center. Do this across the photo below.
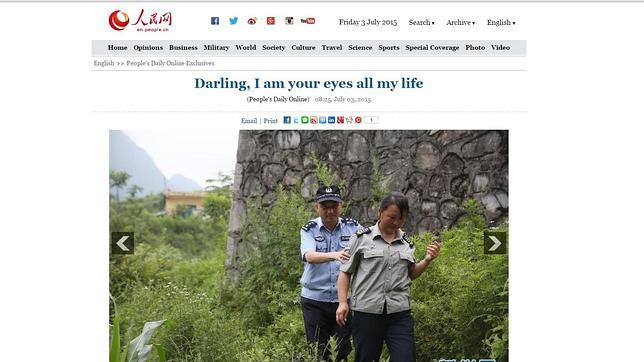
(117, 23)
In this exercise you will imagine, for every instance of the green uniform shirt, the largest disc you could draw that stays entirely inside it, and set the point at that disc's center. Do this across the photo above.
(379, 272)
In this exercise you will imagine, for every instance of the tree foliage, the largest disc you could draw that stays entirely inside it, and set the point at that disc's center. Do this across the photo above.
(133, 190)
(325, 174)
(118, 180)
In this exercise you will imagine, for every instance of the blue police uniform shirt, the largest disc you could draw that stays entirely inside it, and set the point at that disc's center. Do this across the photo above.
(319, 280)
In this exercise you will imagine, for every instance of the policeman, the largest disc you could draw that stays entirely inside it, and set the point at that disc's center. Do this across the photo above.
(380, 269)
(323, 243)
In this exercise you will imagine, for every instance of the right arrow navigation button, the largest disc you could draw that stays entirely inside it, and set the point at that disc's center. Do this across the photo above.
(495, 242)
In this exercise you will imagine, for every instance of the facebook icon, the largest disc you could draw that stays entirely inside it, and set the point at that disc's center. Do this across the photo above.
(287, 119)
(214, 20)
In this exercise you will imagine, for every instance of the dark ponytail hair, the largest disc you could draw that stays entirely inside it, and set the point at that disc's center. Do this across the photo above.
(398, 199)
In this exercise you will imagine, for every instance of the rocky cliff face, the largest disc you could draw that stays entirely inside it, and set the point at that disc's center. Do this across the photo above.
(437, 170)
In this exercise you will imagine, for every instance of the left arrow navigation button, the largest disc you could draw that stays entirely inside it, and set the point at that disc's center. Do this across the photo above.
(122, 243)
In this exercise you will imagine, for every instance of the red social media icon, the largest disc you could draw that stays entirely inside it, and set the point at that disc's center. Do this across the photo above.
(358, 119)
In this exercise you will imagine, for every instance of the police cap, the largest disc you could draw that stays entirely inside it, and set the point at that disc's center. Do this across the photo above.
(328, 193)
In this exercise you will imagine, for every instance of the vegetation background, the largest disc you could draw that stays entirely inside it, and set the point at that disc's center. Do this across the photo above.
(460, 304)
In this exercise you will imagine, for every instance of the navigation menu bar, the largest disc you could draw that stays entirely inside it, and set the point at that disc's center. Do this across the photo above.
(311, 48)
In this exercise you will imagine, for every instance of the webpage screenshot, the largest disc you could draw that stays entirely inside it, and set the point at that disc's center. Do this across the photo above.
(324, 181)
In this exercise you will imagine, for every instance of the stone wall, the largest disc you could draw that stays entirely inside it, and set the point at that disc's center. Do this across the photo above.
(437, 170)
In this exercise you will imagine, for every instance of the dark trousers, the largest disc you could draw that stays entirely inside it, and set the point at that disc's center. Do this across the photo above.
(320, 325)
(371, 330)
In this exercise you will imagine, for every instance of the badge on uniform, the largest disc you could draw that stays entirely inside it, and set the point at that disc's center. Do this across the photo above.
(309, 225)
(348, 220)
(345, 237)
(408, 240)
(319, 238)
(363, 230)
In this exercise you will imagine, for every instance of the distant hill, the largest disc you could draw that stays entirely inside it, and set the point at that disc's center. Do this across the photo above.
(126, 156)
(182, 183)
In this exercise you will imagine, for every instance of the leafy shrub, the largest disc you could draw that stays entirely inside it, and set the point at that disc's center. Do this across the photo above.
(196, 325)
(146, 266)
(460, 304)
(162, 243)
(138, 350)
(217, 206)
(378, 185)
(193, 235)
(271, 266)
(284, 340)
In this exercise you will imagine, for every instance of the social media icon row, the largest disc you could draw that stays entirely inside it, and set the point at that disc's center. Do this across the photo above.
(270, 20)
(330, 119)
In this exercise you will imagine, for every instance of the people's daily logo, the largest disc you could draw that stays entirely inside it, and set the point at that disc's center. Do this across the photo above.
(146, 21)
(118, 20)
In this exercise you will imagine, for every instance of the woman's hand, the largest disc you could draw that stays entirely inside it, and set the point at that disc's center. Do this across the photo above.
(342, 313)
(432, 251)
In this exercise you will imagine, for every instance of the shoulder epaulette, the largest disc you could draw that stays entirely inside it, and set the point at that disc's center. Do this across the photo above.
(348, 220)
(309, 225)
(363, 230)
(407, 240)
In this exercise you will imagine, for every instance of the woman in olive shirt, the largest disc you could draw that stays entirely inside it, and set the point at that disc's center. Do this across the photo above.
(380, 270)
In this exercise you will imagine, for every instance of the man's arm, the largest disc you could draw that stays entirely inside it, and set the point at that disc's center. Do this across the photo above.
(315, 257)
(309, 255)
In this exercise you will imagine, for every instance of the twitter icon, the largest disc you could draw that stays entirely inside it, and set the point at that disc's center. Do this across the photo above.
(233, 20)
